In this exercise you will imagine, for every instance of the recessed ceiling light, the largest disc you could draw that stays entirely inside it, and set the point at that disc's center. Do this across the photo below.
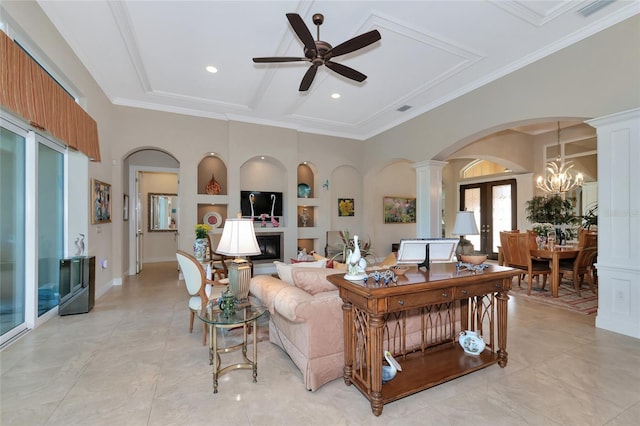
(335, 95)
(212, 69)
(262, 158)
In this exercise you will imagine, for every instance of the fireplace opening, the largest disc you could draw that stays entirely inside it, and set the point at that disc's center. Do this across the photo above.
(270, 246)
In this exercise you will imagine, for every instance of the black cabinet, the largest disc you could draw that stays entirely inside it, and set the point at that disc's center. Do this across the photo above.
(77, 285)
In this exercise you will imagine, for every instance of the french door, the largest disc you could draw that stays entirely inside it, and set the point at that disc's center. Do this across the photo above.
(494, 207)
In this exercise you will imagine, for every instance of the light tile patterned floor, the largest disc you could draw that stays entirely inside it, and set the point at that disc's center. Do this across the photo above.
(131, 361)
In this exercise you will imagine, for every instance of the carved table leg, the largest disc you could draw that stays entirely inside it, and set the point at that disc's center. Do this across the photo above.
(503, 356)
(375, 352)
(349, 330)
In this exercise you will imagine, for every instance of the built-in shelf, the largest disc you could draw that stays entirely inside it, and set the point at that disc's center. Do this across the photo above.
(315, 202)
(211, 167)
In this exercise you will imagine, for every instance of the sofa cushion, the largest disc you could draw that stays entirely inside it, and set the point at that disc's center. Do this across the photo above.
(284, 269)
(313, 280)
(266, 289)
(289, 300)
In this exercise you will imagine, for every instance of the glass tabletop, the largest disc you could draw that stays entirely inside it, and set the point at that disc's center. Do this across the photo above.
(246, 312)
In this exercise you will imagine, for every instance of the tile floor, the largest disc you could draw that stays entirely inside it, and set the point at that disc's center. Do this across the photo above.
(131, 361)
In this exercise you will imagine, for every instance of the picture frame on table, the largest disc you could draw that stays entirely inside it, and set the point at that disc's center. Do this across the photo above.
(100, 202)
(399, 209)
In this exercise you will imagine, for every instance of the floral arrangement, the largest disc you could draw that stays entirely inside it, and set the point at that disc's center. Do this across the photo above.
(202, 229)
(348, 244)
(543, 229)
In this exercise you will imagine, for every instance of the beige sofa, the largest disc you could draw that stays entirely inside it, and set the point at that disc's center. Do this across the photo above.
(306, 322)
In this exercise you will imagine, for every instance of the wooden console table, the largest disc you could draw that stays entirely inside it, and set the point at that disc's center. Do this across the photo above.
(439, 296)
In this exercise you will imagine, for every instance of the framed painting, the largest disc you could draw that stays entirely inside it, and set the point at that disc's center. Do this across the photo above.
(100, 202)
(346, 207)
(399, 209)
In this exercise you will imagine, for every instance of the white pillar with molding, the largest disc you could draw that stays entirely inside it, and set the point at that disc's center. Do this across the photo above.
(429, 198)
(619, 222)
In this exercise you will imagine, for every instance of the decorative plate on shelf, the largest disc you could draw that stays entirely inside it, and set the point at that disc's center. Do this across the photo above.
(303, 190)
(213, 219)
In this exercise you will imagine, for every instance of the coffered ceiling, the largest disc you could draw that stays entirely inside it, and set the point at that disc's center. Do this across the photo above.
(153, 54)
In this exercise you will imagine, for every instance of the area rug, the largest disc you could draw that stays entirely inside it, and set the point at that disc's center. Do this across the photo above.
(567, 296)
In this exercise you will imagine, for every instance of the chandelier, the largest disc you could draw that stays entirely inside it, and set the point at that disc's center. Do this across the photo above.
(559, 177)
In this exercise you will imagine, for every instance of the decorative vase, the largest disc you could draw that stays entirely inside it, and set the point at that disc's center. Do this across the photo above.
(227, 303)
(200, 248)
(213, 187)
(471, 342)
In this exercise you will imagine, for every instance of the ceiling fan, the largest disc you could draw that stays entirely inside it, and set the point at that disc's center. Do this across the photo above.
(320, 52)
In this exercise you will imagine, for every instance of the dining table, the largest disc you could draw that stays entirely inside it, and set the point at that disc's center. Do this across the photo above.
(555, 254)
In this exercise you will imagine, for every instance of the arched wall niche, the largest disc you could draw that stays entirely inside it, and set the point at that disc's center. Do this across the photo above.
(346, 182)
(212, 167)
(307, 172)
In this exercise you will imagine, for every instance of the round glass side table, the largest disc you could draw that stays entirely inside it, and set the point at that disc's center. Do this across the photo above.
(245, 316)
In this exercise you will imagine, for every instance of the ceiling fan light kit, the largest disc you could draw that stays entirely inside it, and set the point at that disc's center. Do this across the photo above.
(320, 52)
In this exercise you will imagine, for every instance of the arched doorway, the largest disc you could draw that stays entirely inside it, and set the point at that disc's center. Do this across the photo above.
(153, 177)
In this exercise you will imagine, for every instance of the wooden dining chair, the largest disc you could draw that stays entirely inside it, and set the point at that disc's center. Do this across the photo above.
(199, 288)
(218, 262)
(581, 267)
(517, 254)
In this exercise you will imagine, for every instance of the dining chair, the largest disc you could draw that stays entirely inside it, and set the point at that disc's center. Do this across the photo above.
(517, 249)
(581, 267)
(198, 286)
(218, 262)
(506, 255)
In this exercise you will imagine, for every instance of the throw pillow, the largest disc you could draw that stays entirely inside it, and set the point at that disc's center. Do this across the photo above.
(339, 266)
(316, 256)
(313, 280)
(284, 269)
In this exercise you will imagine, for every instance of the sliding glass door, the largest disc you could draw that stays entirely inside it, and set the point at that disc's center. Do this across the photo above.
(50, 199)
(32, 226)
(12, 231)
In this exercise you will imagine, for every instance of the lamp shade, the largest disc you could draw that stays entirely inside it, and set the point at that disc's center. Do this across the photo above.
(238, 238)
(465, 224)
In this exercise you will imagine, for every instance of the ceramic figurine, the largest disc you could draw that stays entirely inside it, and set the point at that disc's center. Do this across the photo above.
(390, 371)
(356, 264)
(471, 342)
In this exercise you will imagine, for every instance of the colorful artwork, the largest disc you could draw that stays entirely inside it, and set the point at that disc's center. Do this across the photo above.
(345, 207)
(399, 210)
(100, 202)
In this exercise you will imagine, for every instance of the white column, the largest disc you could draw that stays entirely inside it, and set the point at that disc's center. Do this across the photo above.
(619, 222)
(429, 198)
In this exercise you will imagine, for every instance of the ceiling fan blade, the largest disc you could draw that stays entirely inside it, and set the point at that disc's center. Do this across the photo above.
(302, 31)
(308, 78)
(346, 71)
(355, 43)
(279, 59)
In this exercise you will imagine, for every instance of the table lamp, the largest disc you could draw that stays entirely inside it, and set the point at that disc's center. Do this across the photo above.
(239, 239)
(465, 225)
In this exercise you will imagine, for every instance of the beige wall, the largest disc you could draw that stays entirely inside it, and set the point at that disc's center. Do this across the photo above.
(593, 78)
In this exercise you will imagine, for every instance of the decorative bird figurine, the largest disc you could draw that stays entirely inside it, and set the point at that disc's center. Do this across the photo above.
(356, 264)
(274, 221)
(252, 199)
(80, 245)
(390, 371)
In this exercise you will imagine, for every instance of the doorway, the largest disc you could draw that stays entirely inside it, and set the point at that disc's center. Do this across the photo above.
(494, 207)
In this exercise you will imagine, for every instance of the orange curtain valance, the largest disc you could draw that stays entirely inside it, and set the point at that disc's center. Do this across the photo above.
(30, 92)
